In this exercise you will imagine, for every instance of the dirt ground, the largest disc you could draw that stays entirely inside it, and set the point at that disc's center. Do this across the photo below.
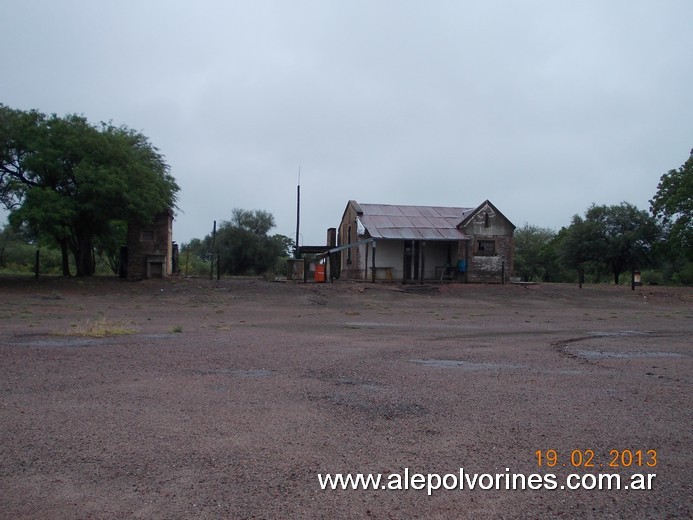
(227, 399)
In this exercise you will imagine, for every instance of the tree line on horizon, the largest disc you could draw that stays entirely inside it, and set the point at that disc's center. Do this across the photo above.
(611, 240)
(72, 187)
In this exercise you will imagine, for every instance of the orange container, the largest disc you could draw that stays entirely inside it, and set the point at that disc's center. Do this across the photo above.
(319, 273)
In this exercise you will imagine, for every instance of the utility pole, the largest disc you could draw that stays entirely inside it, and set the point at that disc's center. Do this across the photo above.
(298, 211)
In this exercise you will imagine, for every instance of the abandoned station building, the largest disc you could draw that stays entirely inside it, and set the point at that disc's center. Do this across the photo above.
(392, 242)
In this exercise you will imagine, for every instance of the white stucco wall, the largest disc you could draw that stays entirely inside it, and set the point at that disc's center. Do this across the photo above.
(390, 253)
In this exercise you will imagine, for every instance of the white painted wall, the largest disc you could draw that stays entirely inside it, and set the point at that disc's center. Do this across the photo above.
(390, 253)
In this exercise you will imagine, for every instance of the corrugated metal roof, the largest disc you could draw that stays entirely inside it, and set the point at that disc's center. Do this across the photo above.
(413, 222)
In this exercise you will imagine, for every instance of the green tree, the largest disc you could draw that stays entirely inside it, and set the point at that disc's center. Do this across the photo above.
(71, 181)
(195, 257)
(580, 244)
(258, 222)
(530, 251)
(553, 264)
(107, 245)
(18, 253)
(14, 249)
(244, 246)
(198, 248)
(673, 203)
(619, 237)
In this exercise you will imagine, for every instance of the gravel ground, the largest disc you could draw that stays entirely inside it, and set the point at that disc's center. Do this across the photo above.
(227, 399)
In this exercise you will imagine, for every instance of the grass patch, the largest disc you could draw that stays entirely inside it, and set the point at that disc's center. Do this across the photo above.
(100, 328)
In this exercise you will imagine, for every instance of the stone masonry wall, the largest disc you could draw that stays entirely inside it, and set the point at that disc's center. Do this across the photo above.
(147, 243)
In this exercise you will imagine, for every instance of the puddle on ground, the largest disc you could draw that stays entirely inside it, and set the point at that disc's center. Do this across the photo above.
(81, 341)
(617, 333)
(464, 365)
(359, 324)
(60, 342)
(599, 354)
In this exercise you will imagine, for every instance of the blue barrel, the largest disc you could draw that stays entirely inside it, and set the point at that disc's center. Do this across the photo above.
(462, 266)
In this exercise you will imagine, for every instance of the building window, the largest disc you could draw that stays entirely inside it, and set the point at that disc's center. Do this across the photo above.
(486, 247)
(147, 235)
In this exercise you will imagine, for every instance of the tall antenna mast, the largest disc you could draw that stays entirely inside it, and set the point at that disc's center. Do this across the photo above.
(298, 211)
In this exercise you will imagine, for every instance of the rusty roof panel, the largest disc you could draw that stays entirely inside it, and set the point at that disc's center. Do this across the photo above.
(392, 233)
(428, 212)
(401, 222)
(453, 234)
(420, 222)
(430, 234)
(413, 222)
(439, 222)
(411, 233)
(378, 221)
(410, 211)
(390, 211)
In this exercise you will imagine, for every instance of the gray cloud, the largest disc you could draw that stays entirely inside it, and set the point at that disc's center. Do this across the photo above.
(541, 106)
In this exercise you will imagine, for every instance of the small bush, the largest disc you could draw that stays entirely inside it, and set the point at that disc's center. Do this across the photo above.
(652, 278)
(684, 276)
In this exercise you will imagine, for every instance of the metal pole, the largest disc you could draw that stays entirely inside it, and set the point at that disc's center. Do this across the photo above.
(298, 211)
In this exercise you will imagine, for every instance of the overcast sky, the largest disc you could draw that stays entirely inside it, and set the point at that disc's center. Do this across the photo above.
(543, 107)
